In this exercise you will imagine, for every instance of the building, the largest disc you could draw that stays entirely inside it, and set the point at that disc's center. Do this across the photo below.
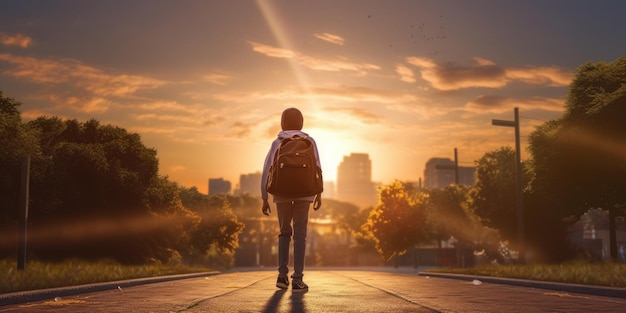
(218, 186)
(354, 180)
(250, 183)
(440, 173)
(466, 175)
(591, 233)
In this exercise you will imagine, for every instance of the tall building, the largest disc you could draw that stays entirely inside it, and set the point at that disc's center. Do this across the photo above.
(218, 186)
(466, 175)
(440, 173)
(354, 180)
(250, 183)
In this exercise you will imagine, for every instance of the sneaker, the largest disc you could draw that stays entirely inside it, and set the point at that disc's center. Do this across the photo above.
(282, 282)
(299, 285)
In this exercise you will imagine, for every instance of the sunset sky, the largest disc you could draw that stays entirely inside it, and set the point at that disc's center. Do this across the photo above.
(204, 82)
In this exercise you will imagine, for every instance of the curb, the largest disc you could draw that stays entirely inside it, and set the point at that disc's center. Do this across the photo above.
(575, 288)
(51, 293)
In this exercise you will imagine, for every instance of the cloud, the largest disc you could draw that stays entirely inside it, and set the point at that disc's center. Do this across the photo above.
(217, 79)
(335, 65)
(485, 74)
(272, 51)
(406, 74)
(498, 104)
(550, 76)
(165, 118)
(240, 129)
(166, 107)
(353, 94)
(19, 40)
(453, 77)
(92, 88)
(176, 168)
(89, 105)
(334, 39)
(365, 116)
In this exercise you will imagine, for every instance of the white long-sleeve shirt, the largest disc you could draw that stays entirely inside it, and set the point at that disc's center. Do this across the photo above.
(270, 158)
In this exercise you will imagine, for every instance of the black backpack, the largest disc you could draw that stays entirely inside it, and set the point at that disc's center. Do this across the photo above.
(294, 172)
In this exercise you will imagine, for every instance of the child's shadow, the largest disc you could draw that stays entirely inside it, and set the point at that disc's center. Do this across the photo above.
(297, 303)
(274, 302)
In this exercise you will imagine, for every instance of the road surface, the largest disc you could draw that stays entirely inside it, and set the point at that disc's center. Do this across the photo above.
(329, 291)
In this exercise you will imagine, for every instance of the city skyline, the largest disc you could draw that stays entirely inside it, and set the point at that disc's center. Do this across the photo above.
(204, 82)
(357, 183)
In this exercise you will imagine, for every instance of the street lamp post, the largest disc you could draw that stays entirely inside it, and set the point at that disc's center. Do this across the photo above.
(23, 213)
(518, 181)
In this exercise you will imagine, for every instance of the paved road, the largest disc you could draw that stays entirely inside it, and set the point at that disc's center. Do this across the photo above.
(330, 291)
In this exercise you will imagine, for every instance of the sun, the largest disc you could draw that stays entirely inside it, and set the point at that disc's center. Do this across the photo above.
(332, 147)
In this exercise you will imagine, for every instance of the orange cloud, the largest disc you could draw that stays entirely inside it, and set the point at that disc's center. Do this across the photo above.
(95, 86)
(272, 51)
(340, 64)
(360, 113)
(485, 74)
(406, 74)
(336, 65)
(19, 40)
(334, 39)
(90, 105)
(217, 79)
(166, 106)
(453, 77)
(498, 104)
(550, 76)
(353, 94)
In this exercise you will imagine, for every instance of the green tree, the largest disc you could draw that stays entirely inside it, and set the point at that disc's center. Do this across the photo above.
(579, 159)
(162, 231)
(215, 237)
(493, 196)
(97, 194)
(16, 141)
(397, 222)
(90, 169)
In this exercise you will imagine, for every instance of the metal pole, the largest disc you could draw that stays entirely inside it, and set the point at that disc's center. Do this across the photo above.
(23, 215)
(518, 190)
(519, 206)
(612, 234)
(456, 167)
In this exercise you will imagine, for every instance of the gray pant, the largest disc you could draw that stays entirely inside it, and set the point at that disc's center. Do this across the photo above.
(298, 213)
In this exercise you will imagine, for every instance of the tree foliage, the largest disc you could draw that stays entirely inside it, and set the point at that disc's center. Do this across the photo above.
(217, 233)
(16, 141)
(579, 160)
(397, 223)
(493, 196)
(95, 193)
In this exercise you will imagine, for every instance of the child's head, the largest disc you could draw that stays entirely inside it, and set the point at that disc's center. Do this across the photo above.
(291, 119)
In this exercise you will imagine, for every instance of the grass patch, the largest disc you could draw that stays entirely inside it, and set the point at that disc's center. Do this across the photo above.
(602, 274)
(40, 275)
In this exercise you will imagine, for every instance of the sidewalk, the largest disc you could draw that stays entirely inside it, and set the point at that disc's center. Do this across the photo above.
(51, 293)
(43, 294)
(358, 290)
(574, 288)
